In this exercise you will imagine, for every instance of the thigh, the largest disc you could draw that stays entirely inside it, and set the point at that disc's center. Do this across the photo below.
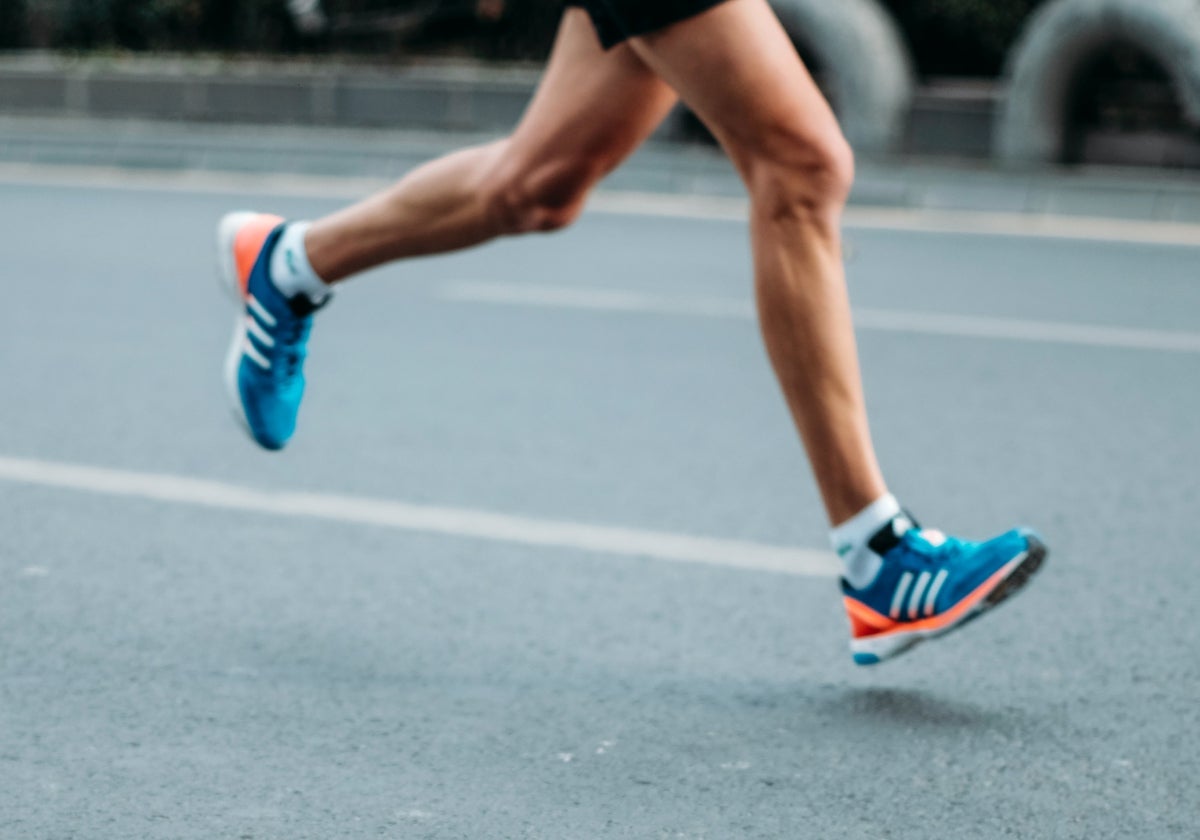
(737, 69)
(592, 104)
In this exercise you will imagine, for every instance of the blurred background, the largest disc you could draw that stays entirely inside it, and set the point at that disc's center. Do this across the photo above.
(1060, 81)
(545, 559)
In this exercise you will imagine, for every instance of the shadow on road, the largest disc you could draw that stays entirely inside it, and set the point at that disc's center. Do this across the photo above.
(910, 708)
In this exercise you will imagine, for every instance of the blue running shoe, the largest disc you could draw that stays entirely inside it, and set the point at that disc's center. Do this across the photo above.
(264, 369)
(930, 584)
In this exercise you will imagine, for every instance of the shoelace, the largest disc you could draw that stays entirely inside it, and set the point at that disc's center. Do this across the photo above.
(929, 554)
(289, 356)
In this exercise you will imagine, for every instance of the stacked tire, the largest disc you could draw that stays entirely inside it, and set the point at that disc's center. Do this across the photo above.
(867, 72)
(1059, 42)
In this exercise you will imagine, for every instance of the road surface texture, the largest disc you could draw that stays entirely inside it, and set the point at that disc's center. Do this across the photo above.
(545, 559)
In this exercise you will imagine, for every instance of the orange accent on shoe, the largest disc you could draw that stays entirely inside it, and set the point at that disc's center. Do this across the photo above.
(865, 622)
(859, 627)
(247, 244)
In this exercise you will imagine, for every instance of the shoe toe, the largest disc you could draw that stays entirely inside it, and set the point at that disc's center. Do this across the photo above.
(270, 411)
(274, 425)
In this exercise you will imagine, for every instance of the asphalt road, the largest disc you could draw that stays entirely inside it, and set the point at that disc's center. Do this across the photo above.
(175, 669)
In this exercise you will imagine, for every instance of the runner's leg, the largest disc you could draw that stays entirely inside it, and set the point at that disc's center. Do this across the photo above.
(592, 109)
(737, 69)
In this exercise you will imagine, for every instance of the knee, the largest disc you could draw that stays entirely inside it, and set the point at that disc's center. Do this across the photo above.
(538, 195)
(801, 178)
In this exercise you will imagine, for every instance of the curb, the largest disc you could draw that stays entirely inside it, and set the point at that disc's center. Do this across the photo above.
(437, 96)
(374, 157)
(448, 97)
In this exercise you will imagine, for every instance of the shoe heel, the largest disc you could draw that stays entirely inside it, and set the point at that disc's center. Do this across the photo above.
(227, 231)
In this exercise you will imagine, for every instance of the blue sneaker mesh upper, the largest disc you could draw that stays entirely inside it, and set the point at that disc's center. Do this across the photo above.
(270, 376)
(925, 573)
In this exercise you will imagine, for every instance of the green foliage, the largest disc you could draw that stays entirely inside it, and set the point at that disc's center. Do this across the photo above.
(961, 37)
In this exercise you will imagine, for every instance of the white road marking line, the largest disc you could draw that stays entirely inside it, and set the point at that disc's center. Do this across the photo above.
(188, 181)
(600, 300)
(883, 320)
(455, 522)
(621, 203)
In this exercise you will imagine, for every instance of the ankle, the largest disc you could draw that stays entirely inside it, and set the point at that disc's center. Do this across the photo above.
(851, 539)
(290, 269)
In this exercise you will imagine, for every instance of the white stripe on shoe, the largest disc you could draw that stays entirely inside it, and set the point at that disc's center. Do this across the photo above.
(914, 603)
(252, 326)
(931, 598)
(898, 598)
(260, 311)
(255, 356)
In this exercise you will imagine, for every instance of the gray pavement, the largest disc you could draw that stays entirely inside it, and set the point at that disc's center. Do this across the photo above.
(172, 671)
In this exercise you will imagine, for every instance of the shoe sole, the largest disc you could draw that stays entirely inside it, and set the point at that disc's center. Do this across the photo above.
(227, 230)
(1018, 573)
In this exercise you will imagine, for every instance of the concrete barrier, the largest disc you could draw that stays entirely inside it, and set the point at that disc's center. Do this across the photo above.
(866, 67)
(1061, 38)
(446, 97)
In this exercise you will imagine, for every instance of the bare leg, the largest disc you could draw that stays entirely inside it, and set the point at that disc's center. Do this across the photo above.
(592, 109)
(735, 67)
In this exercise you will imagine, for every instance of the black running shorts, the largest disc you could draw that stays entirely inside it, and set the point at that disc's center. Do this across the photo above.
(616, 20)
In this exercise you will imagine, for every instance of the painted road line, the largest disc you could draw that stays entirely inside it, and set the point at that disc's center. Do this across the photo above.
(447, 521)
(188, 181)
(618, 202)
(599, 300)
(882, 320)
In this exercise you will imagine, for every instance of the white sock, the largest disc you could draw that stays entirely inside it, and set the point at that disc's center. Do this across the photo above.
(290, 270)
(849, 539)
